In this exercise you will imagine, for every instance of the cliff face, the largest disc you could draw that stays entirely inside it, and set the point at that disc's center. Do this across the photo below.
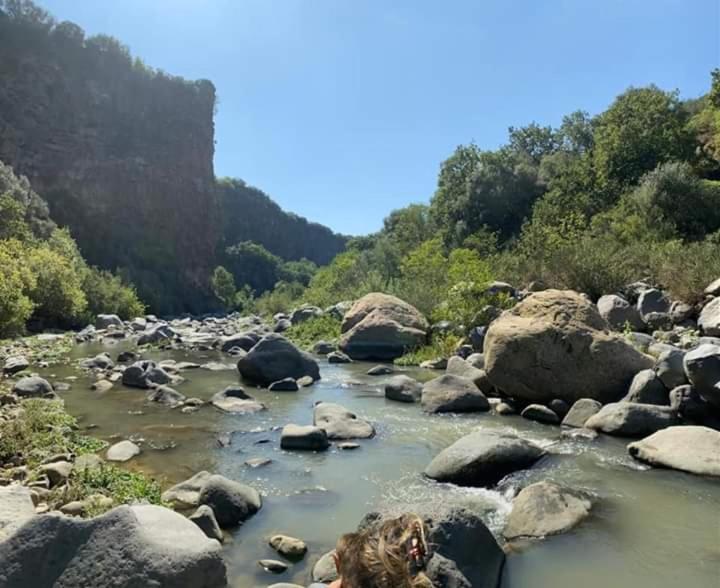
(122, 155)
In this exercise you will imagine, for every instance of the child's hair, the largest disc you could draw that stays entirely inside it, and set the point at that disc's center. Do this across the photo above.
(389, 556)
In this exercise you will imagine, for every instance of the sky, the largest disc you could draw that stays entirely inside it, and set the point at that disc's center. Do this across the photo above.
(343, 110)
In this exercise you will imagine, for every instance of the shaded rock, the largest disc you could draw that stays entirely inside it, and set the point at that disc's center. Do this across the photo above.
(235, 399)
(477, 338)
(618, 313)
(380, 370)
(32, 387)
(305, 313)
(338, 357)
(274, 358)
(57, 472)
(143, 374)
(540, 414)
(126, 356)
(324, 570)
(709, 319)
(187, 494)
(101, 361)
(545, 508)
(658, 321)
(670, 368)
(15, 364)
(289, 547)
(122, 451)
(232, 502)
(680, 312)
(559, 407)
(483, 459)
(284, 385)
(324, 347)
(477, 360)
(713, 289)
(702, 367)
(273, 566)
(580, 412)
(245, 341)
(103, 321)
(140, 545)
(305, 381)
(444, 573)
(339, 423)
(403, 389)
(689, 404)
(652, 300)
(282, 325)
(204, 517)
(380, 326)
(450, 393)
(628, 419)
(646, 388)
(688, 448)
(457, 366)
(439, 363)
(307, 438)
(504, 409)
(101, 385)
(166, 395)
(548, 343)
(156, 335)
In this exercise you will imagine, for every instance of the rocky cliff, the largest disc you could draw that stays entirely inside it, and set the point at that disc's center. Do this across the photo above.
(122, 154)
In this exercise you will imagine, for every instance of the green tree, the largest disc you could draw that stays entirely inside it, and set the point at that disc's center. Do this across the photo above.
(16, 280)
(223, 286)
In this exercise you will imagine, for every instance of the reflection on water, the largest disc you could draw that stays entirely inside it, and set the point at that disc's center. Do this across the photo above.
(651, 528)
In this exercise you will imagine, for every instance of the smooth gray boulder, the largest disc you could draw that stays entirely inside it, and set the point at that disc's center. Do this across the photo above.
(289, 547)
(713, 289)
(32, 387)
(15, 364)
(274, 358)
(324, 347)
(122, 451)
(403, 388)
(483, 459)
(186, 494)
(688, 448)
(284, 385)
(156, 335)
(304, 438)
(647, 388)
(457, 366)
(652, 300)
(476, 360)
(670, 368)
(629, 419)
(234, 399)
(689, 404)
(580, 412)
(702, 367)
(104, 321)
(102, 361)
(324, 570)
(554, 344)
(380, 370)
(559, 407)
(305, 313)
(204, 518)
(166, 395)
(709, 319)
(244, 341)
(619, 313)
(130, 546)
(338, 357)
(144, 374)
(16, 508)
(232, 502)
(339, 423)
(544, 509)
(449, 393)
(540, 414)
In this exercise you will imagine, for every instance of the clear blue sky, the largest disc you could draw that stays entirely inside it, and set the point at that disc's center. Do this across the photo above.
(342, 110)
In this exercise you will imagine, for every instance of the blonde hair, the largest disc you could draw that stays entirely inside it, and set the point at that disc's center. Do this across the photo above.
(381, 557)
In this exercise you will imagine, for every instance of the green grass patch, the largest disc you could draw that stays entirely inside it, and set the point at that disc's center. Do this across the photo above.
(309, 332)
(441, 346)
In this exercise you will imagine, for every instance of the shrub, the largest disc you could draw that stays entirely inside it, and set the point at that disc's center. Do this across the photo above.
(309, 332)
(441, 346)
(282, 298)
(108, 293)
(16, 280)
(685, 270)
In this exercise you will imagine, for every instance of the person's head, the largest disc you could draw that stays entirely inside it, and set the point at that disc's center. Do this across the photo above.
(389, 556)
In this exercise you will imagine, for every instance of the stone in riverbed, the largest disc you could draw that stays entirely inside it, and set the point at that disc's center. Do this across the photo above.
(158, 547)
(102, 361)
(101, 385)
(273, 566)
(234, 399)
(204, 517)
(289, 547)
(187, 494)
(647, 388)
(687, 448)
(274, 358)
(545, 508)
(689, 404)
(629, 419)
(339, 423)
(338, 357)
(580, 412)
(670, 368)
(559, 407)
(618, 312)
(232, 502)
(307, 438)
(103, 321)
(324, 347)
(166, 395)
(709, 319)
(33, 387)
(143, 374)
(324, 570)
(122, 451)
(540, 414)
(483, 459)
(284, 385)
(380, 370)
(245, 341)
(702, 367)
(457, 366)
(403, 389)
(450, 393)
(57, 472)
(15, 364)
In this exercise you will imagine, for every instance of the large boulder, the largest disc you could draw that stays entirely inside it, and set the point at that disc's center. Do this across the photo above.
(629, 419)
(382, 327)
(232, 502)
(689, 448)
(457, 366)
(16, 508)
(244, 341)
(187, 494)
(274, 358)
(15, 364)
(304, 438)
(450, 393)
(709, 319)
(619, 313)
(580, 412)
(555, 344)
(144, 374)
(702, 367)
(339, 423)
(103, 321)
(647, 388)
(130, 546)
(652, 301)
(545, 508)
(483, 459)
(403, 389)
(156, 335)
(32, 387)
(670, 368)
(713, 289)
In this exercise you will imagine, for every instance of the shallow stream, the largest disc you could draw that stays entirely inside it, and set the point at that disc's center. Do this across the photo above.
(649, 528)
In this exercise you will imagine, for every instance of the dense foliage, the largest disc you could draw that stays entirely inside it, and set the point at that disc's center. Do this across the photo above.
(43, 277)
(591, 205)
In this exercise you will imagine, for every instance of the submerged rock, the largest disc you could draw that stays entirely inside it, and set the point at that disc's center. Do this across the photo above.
(274, 358)
(339, 423)
(688, 448)
(380, 370)
(234, 399)
(308, 438)
(540, 414)
(338, 357)
(449, 393)
(139, 545)
(545, 508)
(483, 459)
(284, 385)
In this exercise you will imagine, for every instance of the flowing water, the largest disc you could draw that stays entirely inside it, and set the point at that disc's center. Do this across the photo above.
(649, 529)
